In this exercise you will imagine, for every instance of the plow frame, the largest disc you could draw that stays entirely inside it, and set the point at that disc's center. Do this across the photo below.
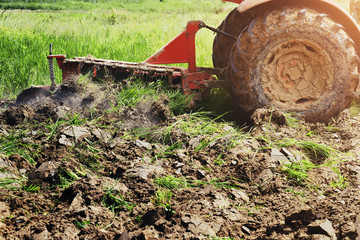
(180, 49)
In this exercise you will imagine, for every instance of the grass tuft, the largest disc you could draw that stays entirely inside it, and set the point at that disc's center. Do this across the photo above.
(298, 170)
(315, 150)
(163, 199)
(116, 202)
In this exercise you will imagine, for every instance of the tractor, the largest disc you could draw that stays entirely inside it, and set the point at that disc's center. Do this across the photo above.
(298, 56)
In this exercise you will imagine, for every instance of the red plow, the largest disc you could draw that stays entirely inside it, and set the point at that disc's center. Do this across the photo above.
(179, 50)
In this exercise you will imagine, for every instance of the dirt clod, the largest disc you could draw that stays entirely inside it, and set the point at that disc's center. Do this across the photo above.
(264, 115)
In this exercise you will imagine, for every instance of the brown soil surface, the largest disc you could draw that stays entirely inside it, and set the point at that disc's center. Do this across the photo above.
(99, 178)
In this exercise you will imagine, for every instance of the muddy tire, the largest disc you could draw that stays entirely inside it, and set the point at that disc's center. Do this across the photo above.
(297, 60)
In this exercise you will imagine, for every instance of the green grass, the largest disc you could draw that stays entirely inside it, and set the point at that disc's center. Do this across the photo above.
(9, 182)
(31, 188)
(314, 150)
(16, 183)
(298, 170)
(199, 124)
(115, 202)
(16, 143)
(203, 125)
(117, 30)
(162, 198)
(82, 224)
(67, 177)
(221, 238)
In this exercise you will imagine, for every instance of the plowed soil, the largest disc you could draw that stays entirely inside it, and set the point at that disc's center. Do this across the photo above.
(90, 175)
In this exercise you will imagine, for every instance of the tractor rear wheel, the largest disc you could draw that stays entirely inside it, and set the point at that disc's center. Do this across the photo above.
(297, 60)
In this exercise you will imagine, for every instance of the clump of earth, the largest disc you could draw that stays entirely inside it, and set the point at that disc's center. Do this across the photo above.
(82, 171)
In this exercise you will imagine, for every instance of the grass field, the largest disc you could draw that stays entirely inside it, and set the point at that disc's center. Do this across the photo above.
(121, 30)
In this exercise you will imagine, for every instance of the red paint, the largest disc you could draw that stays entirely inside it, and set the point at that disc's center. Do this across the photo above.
(59, 59)
(234, 1)
(181, 49)
(195, 81)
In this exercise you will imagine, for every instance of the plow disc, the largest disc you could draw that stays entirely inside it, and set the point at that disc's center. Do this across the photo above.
(32, 94)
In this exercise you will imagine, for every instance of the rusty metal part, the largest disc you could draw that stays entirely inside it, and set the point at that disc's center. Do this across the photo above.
(177, 77)
(102, 68)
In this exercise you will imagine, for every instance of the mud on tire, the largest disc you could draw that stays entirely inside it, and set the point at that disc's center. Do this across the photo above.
(297, 60)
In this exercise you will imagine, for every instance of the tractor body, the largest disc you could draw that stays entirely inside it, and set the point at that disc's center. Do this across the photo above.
(299, 56)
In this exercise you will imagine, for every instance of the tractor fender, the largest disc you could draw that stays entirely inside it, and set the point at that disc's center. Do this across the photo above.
(328, 7)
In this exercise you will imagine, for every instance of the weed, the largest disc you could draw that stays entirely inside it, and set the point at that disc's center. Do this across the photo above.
(116, 203)
(208, 141)
(226, 184)
(197, 124)
(168, 135)
(16, 183)
(219, 161)
(10, 183)
(16, 143)
(53, 128)
(135, 92)
(298, 170)
(76, 119)
(81, 172)
(31, 188)
(82, 224)
(67, 177)
(221, 238)
(89, 155)
(179, 103)
(291, 121)
(163, 198)
(311, 133)
(171, 182)
(316, 150)
(355, 109)
(332, 129)
(342, 182)
(294, 192)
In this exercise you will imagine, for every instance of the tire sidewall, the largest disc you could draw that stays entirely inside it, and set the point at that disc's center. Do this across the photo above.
(331, 103)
